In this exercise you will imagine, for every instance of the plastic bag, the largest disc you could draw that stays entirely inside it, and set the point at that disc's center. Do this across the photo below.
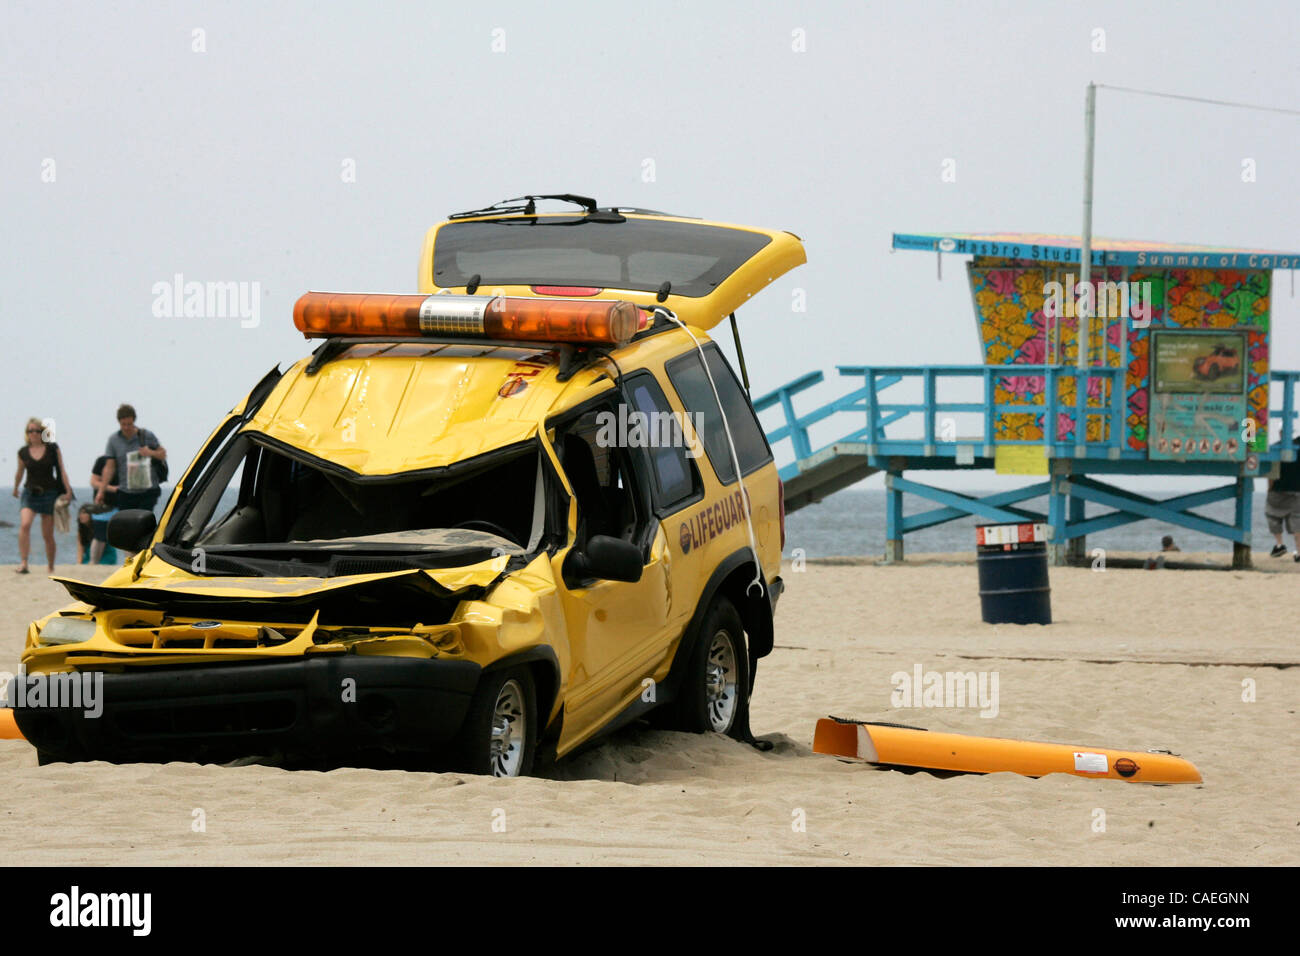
(139, 476)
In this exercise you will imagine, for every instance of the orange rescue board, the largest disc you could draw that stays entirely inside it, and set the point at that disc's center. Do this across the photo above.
(929, 750)
(8, 726)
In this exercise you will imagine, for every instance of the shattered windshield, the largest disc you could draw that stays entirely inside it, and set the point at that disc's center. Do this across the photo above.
(259, 507)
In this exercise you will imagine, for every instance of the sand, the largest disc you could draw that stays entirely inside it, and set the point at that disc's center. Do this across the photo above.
(1135, 660)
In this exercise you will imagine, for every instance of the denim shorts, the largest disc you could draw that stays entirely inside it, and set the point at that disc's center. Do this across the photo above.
(42, 504)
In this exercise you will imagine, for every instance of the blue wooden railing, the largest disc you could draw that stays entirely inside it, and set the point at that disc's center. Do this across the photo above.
(867, 418)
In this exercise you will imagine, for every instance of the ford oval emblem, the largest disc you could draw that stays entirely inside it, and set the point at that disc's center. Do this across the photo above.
(205, 625)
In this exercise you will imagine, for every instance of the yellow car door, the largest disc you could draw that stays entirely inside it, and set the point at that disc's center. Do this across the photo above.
(619, 631)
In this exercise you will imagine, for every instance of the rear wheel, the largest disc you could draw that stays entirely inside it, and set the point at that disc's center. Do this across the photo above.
(499, 736)
(714, 692)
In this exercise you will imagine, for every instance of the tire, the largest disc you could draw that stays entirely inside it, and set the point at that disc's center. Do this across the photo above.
(714, 693)
(503, 700)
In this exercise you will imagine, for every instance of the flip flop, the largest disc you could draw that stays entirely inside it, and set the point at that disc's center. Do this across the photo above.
(21, 571)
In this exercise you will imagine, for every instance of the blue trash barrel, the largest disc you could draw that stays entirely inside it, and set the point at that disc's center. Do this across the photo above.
(1012, 563)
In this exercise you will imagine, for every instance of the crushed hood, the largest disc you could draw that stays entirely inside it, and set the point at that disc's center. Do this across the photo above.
(399, 598)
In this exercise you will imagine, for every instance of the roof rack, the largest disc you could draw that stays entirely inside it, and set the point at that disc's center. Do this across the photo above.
(527, 206)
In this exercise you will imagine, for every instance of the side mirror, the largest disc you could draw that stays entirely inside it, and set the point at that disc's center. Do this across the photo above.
(610, 559)
(132, 530)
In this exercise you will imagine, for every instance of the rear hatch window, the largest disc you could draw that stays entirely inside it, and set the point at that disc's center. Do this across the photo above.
(638, 255)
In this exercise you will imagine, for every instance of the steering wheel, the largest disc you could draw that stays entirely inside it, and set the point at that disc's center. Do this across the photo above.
(491, 528)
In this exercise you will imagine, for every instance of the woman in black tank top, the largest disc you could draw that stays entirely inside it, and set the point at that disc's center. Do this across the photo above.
(46, 481)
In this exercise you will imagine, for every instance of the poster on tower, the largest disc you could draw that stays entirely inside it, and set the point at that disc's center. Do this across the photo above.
(1198, 396)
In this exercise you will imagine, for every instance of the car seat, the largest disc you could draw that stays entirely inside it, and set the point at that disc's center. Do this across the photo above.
(580, 468)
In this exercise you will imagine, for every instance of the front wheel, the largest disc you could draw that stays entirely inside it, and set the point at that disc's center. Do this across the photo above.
(714, 692)
(499, 736)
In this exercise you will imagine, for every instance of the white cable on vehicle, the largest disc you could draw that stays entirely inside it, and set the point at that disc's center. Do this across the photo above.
(539, 509)
(731, 445)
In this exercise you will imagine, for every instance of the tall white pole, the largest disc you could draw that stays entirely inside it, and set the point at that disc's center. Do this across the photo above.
(1084, 343)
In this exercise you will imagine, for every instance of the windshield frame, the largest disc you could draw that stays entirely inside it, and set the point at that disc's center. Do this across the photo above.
(173, 545)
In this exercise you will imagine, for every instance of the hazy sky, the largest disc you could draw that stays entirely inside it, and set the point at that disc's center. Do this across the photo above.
(229, 163)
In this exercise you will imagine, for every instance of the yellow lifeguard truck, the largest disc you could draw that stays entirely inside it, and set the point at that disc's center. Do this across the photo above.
(478, 526)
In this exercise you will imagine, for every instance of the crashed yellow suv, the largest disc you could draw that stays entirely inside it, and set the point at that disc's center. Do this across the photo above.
(476, 529)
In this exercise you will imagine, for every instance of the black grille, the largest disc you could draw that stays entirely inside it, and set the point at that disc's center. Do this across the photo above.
(217, 718)
(342, 566)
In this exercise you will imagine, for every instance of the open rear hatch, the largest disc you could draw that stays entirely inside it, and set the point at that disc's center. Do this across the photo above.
(703, 271)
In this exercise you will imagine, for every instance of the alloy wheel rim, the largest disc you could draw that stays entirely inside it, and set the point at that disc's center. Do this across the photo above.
(509, 731)
(720, 682)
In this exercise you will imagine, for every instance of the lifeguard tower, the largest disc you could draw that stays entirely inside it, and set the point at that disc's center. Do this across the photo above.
(1176, 379)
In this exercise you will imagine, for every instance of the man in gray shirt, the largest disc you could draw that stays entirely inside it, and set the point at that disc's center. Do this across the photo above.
(130, 469)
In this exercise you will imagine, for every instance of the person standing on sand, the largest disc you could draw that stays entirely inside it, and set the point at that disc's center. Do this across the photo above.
(97, 483)
(100, 514)
(46, 482)
(129, 466)
(1282, 507)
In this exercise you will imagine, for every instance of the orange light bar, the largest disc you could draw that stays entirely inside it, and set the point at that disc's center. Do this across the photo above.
(603, 322)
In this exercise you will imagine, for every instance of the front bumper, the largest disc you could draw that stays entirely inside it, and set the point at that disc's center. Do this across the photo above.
(321, 710)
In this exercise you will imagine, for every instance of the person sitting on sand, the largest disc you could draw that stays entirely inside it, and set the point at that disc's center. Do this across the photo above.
(46, 482)
(1282, 506)
(1158, 562)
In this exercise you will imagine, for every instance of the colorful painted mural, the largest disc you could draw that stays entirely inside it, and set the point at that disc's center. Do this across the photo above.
(1225, 299)
(1015, 329)
(1137, 397)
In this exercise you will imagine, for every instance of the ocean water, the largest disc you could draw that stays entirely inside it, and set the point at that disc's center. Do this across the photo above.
(852, 523)
(849, 523)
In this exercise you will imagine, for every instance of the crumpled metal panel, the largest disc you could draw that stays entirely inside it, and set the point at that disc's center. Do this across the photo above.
(393, 413)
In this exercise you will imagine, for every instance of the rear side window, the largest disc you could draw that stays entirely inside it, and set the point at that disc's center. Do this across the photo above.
(687, 375)
(674, 476)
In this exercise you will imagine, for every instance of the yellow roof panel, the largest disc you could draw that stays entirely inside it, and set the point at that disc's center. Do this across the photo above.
(381, 410)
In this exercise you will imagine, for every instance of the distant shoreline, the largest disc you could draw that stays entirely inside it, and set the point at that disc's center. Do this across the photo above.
(1118, 560)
